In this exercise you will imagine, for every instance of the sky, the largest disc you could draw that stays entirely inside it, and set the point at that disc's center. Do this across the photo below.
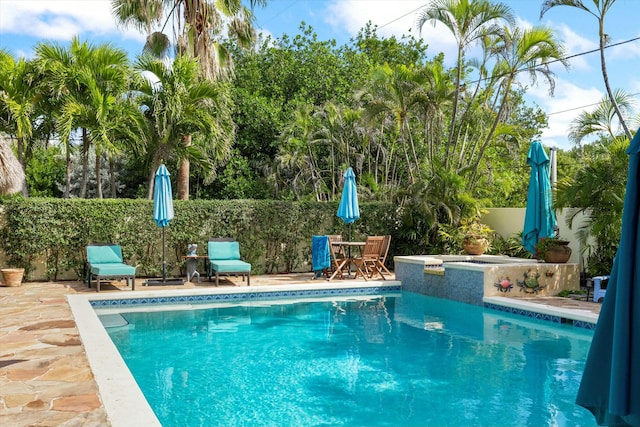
(24, 23)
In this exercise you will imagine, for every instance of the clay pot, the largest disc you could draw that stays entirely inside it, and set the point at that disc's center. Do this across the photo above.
(558, 254)
(12, 276)
(475, 245)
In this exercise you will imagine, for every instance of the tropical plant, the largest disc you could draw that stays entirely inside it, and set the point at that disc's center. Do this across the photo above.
(469, 21)
(17, 101)
(186, 117)
(600, 10)
(87, 86)
(599, 122)
(597, 191)
(198, 28)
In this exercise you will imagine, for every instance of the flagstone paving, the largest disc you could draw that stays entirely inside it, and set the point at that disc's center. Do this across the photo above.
(45, 378)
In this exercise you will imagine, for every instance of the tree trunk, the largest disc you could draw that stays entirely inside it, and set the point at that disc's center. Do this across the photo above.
(67, 184)
(605, 76)
(21, 160)
(85, 164)
(112, 178)
(98, 175)
(183, 173)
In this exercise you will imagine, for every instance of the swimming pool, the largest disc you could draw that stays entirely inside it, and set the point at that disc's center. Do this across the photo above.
(404, 360)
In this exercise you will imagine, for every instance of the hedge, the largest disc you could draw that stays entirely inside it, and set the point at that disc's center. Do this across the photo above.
(274, 236)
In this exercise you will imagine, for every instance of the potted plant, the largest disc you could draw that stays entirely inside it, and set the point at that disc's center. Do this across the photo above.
(553, 249)
(475, 236)
(12, 276)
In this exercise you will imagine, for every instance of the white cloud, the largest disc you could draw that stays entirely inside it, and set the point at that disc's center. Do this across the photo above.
(394, 18)
(60, 19)
(567, 104)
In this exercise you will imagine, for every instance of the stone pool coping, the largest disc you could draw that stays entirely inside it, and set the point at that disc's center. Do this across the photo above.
(580, 318)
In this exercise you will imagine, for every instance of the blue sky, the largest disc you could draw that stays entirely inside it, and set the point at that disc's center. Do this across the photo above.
(23, 23)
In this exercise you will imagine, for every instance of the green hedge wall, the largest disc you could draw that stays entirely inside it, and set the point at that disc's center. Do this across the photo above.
(274, 236)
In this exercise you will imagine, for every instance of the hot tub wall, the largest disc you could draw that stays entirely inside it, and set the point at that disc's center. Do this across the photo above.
(459, 279)
(531, 279)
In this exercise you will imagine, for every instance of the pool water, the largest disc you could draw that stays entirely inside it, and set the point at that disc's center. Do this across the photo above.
(407, 360)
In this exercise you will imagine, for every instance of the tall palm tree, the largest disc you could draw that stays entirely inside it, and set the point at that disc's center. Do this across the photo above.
(600, 121)
(17, 101)
(391, 92)
(87, 82)
(601, 8)
(469, 21)
(12, 178)
(198, 28)
(178, 105)
(527, 51)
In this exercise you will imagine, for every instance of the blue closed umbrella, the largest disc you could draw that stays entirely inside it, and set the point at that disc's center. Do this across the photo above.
(539, 219)
(162, 207)
(610, 385)
(348, 209)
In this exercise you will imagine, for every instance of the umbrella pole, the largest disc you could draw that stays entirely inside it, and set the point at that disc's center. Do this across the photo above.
(164, 260)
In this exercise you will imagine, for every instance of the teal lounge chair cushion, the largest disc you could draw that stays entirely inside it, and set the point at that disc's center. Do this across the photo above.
(112, 269)
(230, 266)
(224, 250)
(104, 254)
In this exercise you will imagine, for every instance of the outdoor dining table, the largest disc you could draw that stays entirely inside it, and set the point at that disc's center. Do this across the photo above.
(349, 259)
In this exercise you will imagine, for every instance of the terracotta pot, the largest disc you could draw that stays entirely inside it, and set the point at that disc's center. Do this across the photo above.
(558, 254)
(12, 276)
(476, 246)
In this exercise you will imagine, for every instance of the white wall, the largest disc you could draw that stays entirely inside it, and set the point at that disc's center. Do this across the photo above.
(508, 221)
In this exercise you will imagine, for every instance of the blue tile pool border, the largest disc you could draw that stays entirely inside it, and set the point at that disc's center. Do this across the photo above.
(239, 297)
(541, 316)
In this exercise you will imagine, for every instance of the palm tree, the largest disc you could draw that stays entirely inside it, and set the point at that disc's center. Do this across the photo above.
(17, 101)
(391, 92)
(180, 107)
(198, 27)
(87, 82)
(469, 21)
(528, 51)
(601, 7)
(12, 178)
(600, 121)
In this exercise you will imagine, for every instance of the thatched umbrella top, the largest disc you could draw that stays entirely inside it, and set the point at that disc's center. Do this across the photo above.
(12, 176)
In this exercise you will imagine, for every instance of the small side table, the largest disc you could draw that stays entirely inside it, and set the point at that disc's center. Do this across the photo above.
(192, 266)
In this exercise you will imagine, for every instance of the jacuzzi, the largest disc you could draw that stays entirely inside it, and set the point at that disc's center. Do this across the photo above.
(469, 278)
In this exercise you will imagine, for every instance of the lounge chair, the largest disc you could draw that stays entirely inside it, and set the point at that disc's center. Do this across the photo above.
(104, 260)
(224, 258)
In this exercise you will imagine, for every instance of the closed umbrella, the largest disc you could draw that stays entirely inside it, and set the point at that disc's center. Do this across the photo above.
(348, 209)
(539, 218)
(610, 385)
(163, 213)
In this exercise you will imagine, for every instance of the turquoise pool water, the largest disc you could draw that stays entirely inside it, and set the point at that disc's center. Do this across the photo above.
(409, 360)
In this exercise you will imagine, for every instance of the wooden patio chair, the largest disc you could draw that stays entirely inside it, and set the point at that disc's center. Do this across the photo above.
(383, 254)
(338, 258)
(368, 264)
